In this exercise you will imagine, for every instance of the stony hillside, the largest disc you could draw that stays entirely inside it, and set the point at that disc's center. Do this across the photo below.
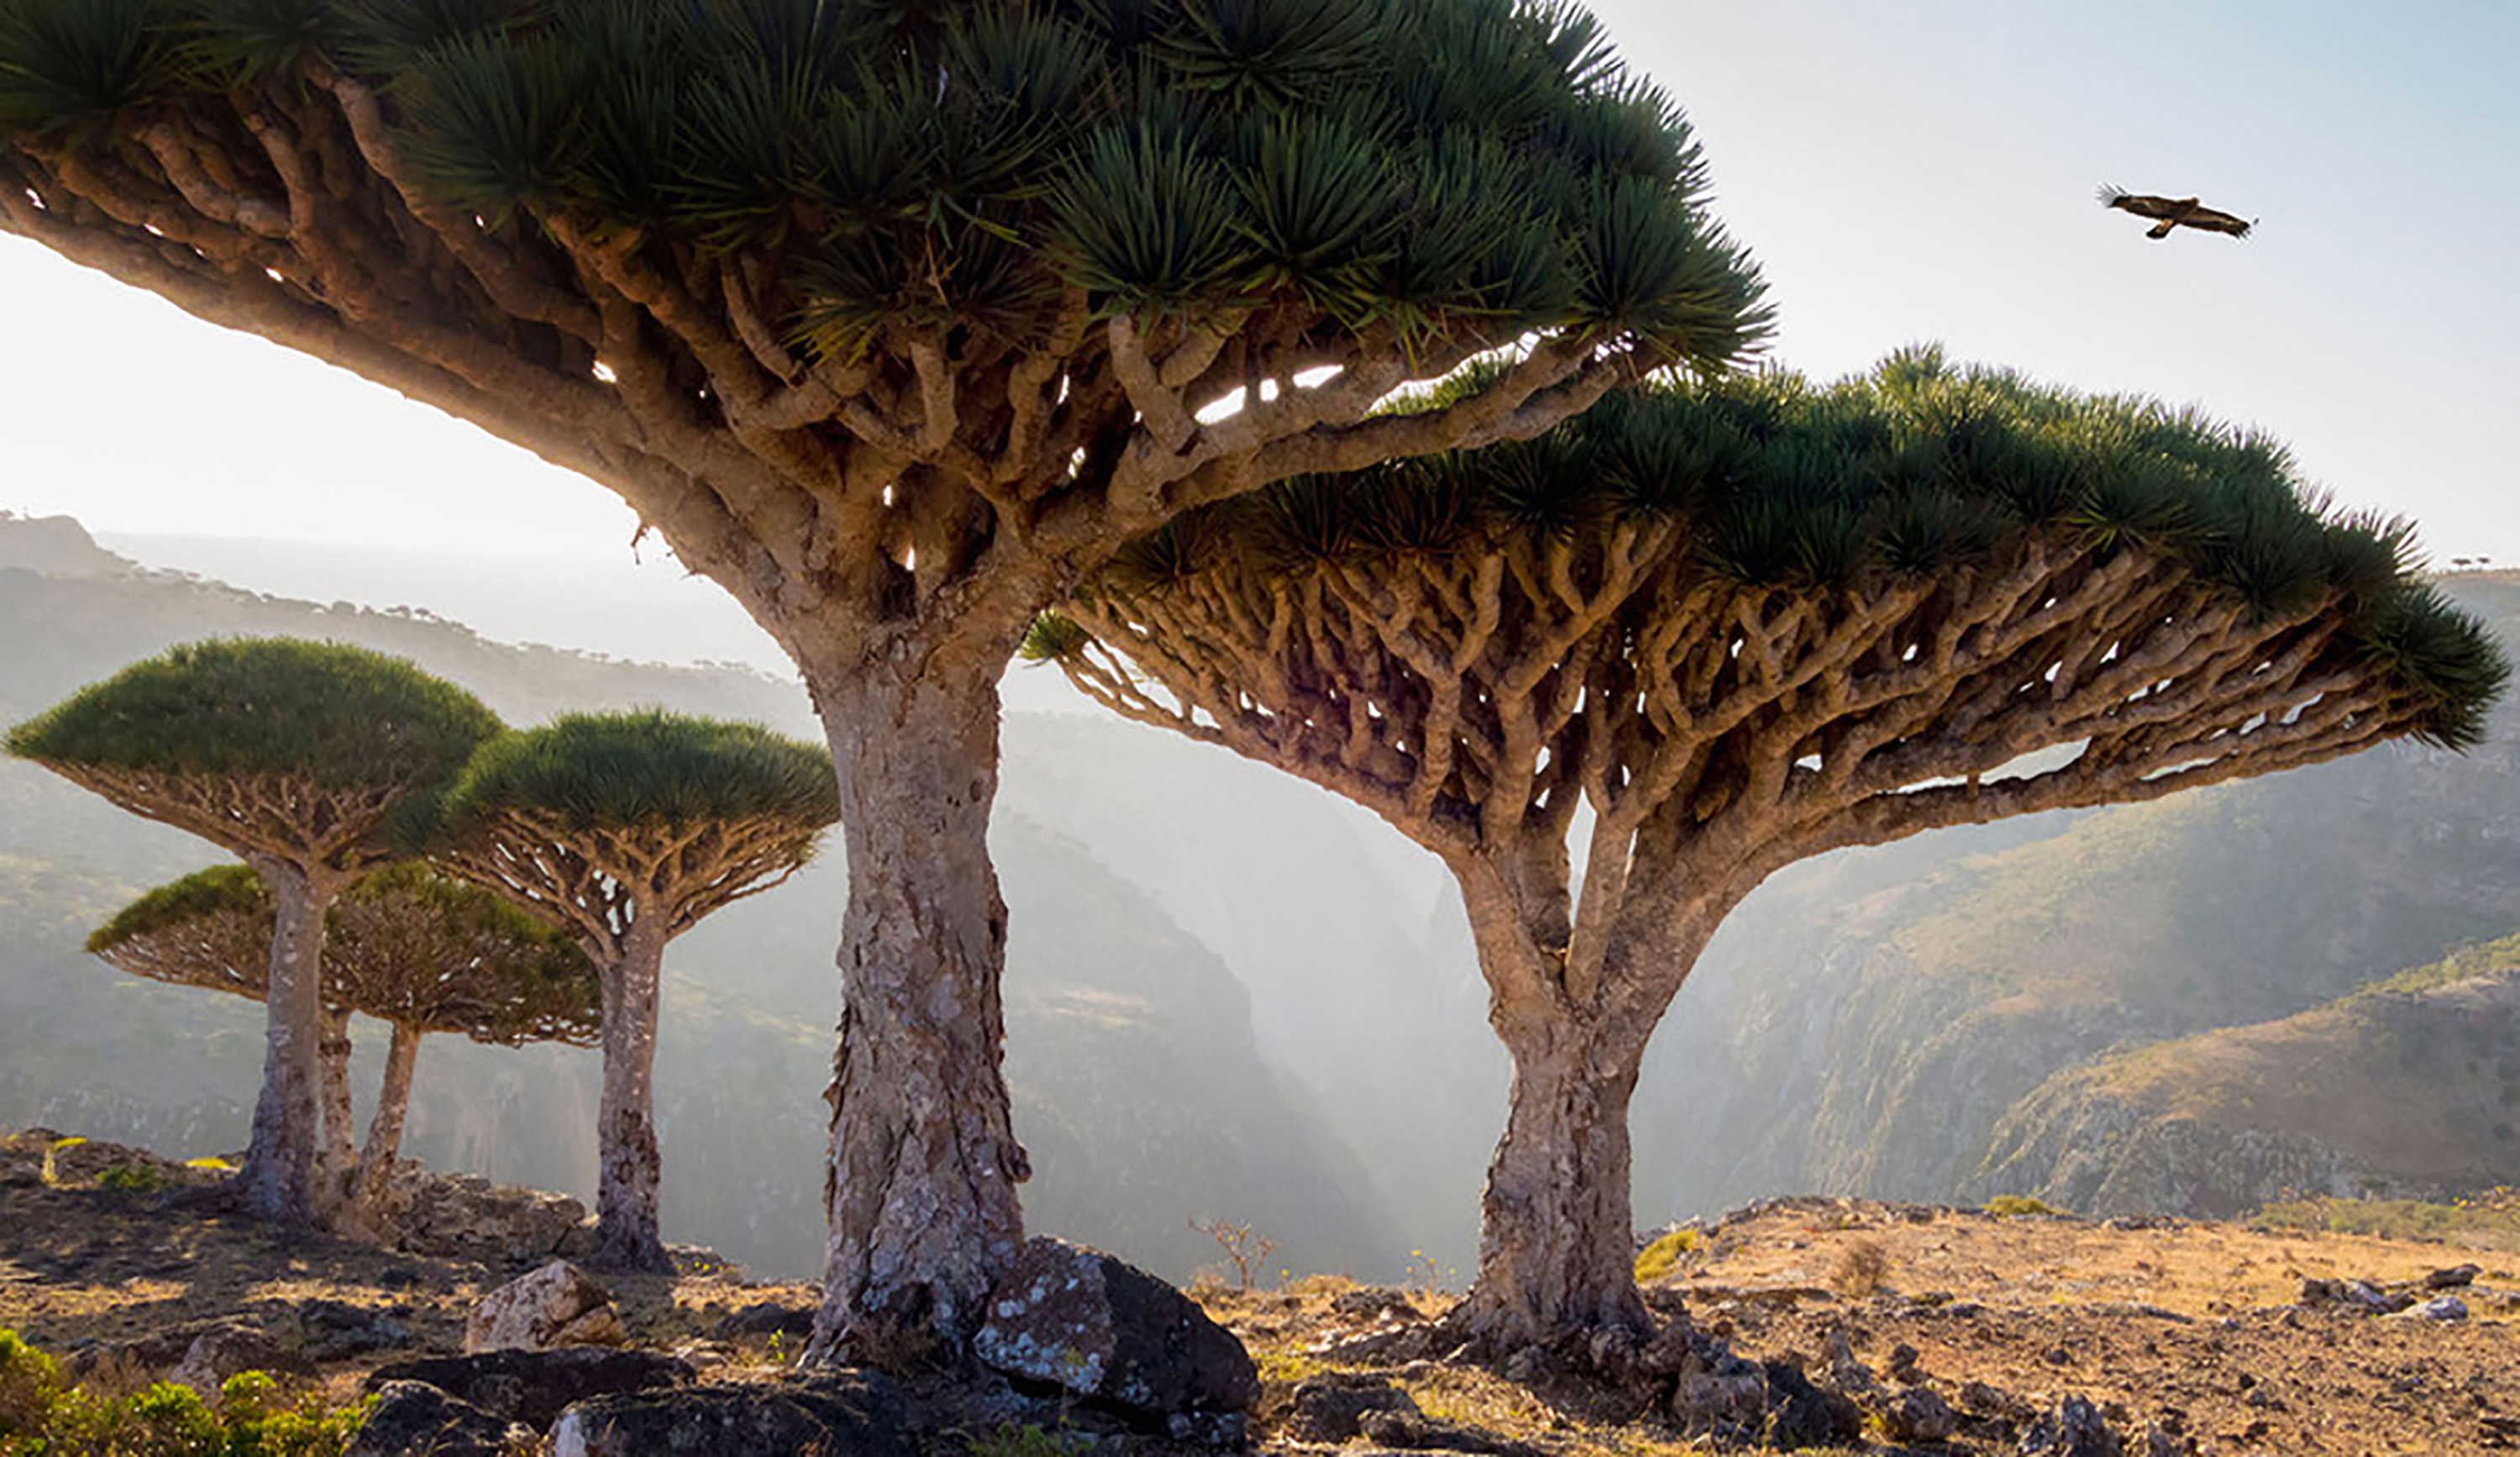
(1868, 1022)
(1138, 1084)
(2409, 1087)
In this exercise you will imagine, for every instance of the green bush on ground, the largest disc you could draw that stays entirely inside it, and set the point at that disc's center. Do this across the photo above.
(42, 1415)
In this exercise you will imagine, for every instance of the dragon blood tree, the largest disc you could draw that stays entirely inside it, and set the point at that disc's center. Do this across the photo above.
(897, 321)
(1744, 624)
(414, 950)
(624, 829)
(290, 756)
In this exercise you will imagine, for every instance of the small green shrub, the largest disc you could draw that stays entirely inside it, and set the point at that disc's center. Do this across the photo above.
(131, 1178)
(1660, 1257)
(41, 1416)
(1030, 1439)
(2015, 1206)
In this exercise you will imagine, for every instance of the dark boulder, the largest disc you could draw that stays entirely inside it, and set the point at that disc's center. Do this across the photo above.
(857, 1412)
(1079, 1319)
(1331, 1407)
(413, 1419)
(535, 1387)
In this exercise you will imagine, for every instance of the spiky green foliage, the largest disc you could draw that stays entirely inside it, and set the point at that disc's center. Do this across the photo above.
(1423, 164)
(1917, 469)
(644, 770)
(405, 946)
(342, 717)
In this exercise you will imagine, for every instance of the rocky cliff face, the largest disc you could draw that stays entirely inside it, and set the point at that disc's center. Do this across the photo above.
(2408, 1089)
(1902, 1021)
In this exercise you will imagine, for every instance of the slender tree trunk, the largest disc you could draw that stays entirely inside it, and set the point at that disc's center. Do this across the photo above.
(384, 1130)
(626, 1234)
(923, 1159)
(340, 1139)
(279, 1180)
(1557, 1239)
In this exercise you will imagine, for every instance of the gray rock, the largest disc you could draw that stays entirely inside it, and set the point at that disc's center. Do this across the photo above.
(1801, 1414)
(1918, 1414)
(2075, 1429)
(768, 1318)
(464, 1216)
(337, 1329)
(411, 1418)
(1332, 1407)
(1084, 1321)
(226, 1350)
(853, 1412)
(559, 1304)
(535, 1387)
(2439, 1308)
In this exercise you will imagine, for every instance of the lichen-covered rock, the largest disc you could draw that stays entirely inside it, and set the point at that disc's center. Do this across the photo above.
(1082, 1320)
(464, 1216)
(413, 1419)
(853, 1412)
(557, 1305)
(226, 1350)
(535, 1387)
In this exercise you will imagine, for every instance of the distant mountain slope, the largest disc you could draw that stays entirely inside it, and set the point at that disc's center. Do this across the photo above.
(2409, 1087)
(1136, 1078)
(1866, 1022)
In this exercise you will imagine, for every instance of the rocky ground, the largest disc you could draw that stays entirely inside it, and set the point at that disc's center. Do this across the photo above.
(1836, 1325)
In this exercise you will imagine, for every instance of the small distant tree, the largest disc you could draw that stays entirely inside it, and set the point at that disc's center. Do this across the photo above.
(1745, 624)
(625, 830)
(290, 756)
(417, 950)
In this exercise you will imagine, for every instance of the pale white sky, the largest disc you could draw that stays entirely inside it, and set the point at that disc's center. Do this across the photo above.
(1908, 172)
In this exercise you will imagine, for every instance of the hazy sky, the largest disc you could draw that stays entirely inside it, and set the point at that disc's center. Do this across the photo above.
(1906, 171)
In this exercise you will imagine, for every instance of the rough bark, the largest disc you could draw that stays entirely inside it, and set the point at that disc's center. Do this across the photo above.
(279, 1179)
(340, 1141)
(626, 1231)
(924, 1162)
(393, 1106)
(1555, 1234)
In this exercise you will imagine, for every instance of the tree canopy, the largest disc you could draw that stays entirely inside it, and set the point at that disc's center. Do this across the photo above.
(404, 945)
(262, 744)
(1744, 622)
(790, 247)
(625, 830)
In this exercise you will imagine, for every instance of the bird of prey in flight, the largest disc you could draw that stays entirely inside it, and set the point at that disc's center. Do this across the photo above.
(2175, 212)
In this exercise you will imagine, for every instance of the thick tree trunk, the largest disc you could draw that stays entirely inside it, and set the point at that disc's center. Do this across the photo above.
(340, 1139)
(1556, 1242)
(279, 1180)
(924, 1162)
(626, 1234)
(384, 1130)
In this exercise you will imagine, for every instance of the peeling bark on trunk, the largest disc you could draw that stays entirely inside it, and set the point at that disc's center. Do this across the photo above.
(924, 1163)
(384, 1130)
(340, 1141)
(1555, 1232)
(626, 1234)
(279, 1180)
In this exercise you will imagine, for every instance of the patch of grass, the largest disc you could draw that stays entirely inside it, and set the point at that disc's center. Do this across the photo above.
(132, 1178)
(1027, 1440)
(42, 1413)
(2015, 1206)
(1660, 1257)
(2490, 1219)
(1287, 1364)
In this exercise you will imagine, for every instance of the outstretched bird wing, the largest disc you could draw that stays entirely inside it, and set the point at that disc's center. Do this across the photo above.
(2216, 222)
(2143, 205)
